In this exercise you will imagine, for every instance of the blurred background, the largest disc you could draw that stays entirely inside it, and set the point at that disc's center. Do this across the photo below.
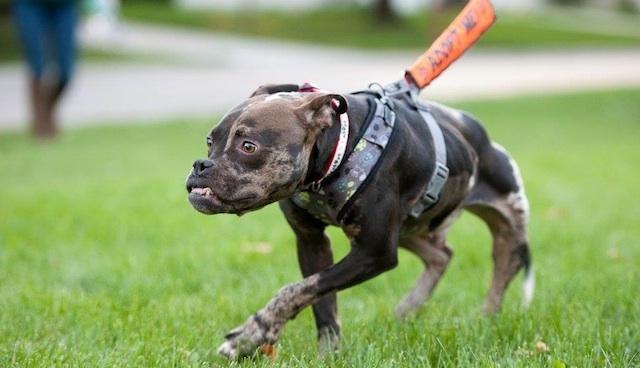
(149, 60)
(103, 262)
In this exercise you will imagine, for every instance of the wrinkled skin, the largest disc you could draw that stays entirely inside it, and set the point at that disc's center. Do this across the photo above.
(274, 143)
(280, 131)
(242, 180)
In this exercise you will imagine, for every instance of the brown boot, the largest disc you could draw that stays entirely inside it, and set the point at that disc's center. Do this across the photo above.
(50, 95)
(38, 123)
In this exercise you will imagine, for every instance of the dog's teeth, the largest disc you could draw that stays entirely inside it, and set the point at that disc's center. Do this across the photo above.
(207, 192)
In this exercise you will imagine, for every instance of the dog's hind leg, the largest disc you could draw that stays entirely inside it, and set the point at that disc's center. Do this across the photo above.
(499, 200)
(434, 251)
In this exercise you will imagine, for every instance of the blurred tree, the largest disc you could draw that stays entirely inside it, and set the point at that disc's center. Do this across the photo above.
(446, 4)
(629, 6)
(383, 11)
(568, 2)
(147, 1)
(5, 6)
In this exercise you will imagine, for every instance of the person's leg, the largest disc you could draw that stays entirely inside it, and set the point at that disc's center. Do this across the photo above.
(64, 21)
(62, 25)
(31, 24)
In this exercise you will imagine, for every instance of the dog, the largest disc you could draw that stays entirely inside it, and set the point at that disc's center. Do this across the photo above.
(274, 145)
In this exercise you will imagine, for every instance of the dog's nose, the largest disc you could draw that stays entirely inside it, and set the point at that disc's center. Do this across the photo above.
(200, 166)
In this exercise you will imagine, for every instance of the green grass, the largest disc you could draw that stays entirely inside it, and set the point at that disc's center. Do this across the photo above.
(354, 27)
(103, 263)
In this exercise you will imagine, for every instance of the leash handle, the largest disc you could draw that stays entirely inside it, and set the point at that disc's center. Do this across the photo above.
(474, 19)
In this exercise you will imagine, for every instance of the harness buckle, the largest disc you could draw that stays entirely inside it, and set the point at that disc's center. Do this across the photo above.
(389, 116)
(417, 210)
(438, 178)
(399, 87)
(432, 194)
(441, 173)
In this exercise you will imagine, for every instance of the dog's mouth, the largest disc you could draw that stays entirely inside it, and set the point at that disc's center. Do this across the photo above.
(205, 200)
(205, 192)
(208, 193)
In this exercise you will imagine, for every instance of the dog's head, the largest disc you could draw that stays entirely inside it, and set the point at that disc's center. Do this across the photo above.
(259, 153)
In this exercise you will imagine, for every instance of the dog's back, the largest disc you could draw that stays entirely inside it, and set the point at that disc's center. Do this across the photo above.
(494, 192)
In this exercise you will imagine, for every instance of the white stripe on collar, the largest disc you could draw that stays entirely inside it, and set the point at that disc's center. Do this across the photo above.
(339, 150)
(341, 147)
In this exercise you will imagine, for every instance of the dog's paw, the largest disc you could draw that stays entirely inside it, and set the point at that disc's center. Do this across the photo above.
(405, 309)
(328, 342)
(244, 341)
(228, 350)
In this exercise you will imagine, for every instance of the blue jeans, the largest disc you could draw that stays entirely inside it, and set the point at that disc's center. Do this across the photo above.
(47, 32)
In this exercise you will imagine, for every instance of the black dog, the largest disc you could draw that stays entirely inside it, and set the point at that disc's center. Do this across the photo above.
(279, 145)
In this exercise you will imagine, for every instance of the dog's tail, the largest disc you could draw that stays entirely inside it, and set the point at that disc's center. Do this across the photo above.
(529, 284)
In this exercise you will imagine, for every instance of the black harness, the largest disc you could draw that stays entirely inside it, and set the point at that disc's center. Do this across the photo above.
(330, 201)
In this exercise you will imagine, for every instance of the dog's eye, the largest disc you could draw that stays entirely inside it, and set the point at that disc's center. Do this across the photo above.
(209, 141)
(248, 147)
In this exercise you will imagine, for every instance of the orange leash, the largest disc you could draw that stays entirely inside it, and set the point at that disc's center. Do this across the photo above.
(474, 19)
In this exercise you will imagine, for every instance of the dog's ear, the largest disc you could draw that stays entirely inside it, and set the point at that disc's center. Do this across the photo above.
(318, 108)
(267, 89)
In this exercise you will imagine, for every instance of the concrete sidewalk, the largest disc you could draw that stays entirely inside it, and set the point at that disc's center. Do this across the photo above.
(211, 72)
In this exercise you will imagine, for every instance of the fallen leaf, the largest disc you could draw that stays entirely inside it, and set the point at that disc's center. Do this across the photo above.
(269, 351)
(613, 253)
(555, 213)
(541, 347)
(260, 248)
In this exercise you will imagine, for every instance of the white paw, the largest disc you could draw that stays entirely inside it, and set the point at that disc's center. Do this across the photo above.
(228, 350)
(245, 340)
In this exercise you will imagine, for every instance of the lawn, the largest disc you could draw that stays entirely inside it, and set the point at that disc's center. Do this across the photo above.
(103, 263)
(355, 27)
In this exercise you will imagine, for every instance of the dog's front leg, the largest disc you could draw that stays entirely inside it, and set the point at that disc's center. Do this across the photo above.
(373, 251)
(315, 255)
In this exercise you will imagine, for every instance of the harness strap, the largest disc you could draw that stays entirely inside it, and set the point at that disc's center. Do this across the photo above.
(330, 201)
(440, 173)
